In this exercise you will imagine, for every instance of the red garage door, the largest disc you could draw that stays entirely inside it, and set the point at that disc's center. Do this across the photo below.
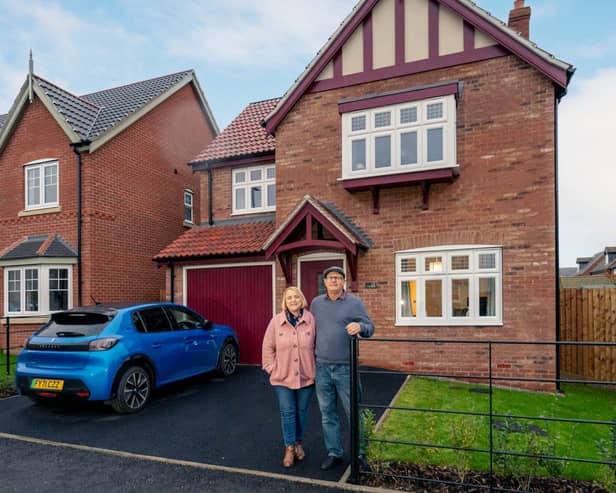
(238, 296)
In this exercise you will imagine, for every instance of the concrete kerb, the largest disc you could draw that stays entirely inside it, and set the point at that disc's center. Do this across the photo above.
(198, 465)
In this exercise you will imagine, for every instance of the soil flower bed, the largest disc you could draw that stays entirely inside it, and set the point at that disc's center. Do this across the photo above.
(475, 482)
(6, 390)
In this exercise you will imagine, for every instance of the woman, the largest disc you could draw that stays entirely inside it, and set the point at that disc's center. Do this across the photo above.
(288, 357)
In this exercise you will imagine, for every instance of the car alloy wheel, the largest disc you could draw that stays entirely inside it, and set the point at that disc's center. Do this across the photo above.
(133, 391)
(227, 361)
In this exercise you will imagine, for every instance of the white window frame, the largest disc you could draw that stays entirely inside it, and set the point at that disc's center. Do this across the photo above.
(43, 288)
(447, 122)
(474, 273)
(41, 166)
(189, 206)
(263, 183)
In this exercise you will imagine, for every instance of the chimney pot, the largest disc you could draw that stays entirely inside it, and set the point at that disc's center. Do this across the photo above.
(518, 4)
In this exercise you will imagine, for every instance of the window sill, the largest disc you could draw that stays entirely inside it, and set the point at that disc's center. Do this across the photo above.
(188, 224)
(420, 177)
(26, 319)
(34, 212)
(450, 323)
(251, 213)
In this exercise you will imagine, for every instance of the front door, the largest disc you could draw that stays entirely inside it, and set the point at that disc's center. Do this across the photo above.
(311, 275)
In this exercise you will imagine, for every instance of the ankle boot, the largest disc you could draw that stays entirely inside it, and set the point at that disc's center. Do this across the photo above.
(299, 451)
(289, 456)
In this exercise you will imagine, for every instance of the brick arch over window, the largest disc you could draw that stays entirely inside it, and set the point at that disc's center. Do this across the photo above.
(315, 225)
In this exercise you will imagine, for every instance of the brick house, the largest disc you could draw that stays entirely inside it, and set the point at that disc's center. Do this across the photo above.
(418, 150)
(92, 188)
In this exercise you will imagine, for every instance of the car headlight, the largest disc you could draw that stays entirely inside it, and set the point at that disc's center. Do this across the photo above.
(102, 344)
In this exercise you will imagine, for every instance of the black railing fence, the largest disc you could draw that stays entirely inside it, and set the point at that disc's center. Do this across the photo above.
(12, 337)
(496, 452)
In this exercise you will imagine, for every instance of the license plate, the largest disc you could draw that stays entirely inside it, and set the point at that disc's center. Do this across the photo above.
(47, 384)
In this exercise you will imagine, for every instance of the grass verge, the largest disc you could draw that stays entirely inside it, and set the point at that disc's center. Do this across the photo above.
(426, 430)
(7, 381)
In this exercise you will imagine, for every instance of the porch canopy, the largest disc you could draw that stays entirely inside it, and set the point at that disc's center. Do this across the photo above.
(317, 226)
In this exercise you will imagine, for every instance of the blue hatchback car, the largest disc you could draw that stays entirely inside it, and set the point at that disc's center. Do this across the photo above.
(120, 353)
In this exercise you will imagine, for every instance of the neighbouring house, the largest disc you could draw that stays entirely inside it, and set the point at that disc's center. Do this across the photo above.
(92, 188)
(600, 264)
(418, 151)
(596, 271)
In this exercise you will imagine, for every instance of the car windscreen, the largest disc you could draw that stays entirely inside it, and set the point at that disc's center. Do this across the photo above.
(75, 324)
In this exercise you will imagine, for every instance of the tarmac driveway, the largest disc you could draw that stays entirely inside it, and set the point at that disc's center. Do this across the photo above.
(232, 422)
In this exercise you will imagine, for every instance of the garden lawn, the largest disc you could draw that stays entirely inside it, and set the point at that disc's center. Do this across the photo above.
(427, 429)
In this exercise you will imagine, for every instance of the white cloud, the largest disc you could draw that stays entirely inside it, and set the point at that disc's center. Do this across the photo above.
(587, 171)
(66, 43)
(10, 82)
(265, 33)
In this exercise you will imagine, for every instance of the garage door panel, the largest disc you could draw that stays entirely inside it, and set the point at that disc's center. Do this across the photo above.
(239, 296)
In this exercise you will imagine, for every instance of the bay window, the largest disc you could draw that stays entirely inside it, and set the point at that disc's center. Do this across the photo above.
(37, 289)
(449, 286)
(399, 138)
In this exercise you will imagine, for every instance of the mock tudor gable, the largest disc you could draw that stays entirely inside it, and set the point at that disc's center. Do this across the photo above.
(381, 39)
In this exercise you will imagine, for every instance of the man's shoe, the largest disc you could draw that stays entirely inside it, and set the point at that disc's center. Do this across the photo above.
(330, 462)
(300, 454)
(364, 465)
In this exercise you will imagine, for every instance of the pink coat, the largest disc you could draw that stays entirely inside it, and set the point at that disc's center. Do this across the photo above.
(288, 352)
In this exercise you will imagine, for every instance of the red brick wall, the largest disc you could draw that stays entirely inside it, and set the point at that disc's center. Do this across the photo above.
(503, 196)
(129, 220)
(36, 136)
(222, 200)
(132, 194)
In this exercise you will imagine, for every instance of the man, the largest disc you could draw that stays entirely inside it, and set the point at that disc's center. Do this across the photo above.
(338, 315)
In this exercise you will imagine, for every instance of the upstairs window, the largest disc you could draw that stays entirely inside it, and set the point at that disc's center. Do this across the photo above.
(41, 185)
(413, 136)
(449, 286)
(188, 206)
(254, 189)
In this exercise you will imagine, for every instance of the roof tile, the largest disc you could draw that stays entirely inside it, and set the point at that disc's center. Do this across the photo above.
(37, 246)
(91, 115)
(243, 137)
(222, 239)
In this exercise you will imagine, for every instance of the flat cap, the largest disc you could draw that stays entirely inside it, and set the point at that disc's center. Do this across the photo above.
(334, 268)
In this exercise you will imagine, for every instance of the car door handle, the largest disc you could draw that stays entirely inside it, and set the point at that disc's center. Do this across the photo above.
(188, 340)
(156, 345)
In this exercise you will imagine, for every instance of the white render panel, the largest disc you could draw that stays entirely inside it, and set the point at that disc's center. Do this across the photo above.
(353, 53)
(384, 34)
(450, 31)
(416, 37)
(482, 40)
(327, 72)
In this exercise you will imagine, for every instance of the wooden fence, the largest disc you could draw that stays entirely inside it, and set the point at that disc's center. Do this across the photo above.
(588, 315)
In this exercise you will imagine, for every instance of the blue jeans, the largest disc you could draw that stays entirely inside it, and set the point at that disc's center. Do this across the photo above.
(294, 405)
(333, 381)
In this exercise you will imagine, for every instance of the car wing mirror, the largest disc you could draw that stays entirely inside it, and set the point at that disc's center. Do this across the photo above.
(207, 324)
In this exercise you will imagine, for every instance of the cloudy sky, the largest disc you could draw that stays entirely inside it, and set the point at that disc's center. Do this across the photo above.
(249, 50)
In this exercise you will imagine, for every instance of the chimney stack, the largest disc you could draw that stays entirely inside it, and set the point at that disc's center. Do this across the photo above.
(519, 18)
